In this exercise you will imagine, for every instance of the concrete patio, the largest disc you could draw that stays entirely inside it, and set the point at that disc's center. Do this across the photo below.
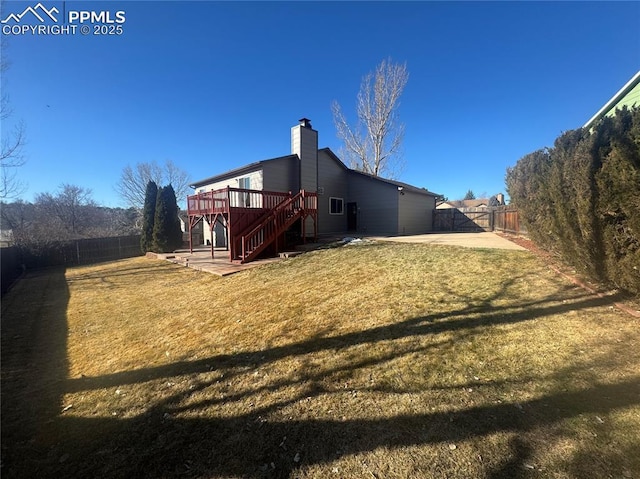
(201, 260)
(468, 240)
(220, 265)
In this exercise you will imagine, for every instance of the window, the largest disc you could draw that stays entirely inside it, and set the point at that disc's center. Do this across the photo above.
(245, 184)
(336, 206)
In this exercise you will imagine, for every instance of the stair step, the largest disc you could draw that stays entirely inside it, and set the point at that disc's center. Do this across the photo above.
(290, 254)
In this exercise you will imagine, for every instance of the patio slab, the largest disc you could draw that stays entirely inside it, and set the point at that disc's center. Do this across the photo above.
(220, 265)
(468, 240)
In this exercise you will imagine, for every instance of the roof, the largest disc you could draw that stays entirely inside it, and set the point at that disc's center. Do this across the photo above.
(613, 102)
(259, 164)
(398, 184)
(238, 171)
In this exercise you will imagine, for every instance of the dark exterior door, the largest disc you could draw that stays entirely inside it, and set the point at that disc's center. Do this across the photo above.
(352, 216)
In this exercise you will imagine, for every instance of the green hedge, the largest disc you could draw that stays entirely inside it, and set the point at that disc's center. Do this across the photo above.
(581, 198)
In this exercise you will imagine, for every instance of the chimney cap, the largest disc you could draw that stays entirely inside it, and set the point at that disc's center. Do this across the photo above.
(305, 122)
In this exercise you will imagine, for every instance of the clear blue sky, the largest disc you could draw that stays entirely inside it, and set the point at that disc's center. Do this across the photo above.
(215, 85)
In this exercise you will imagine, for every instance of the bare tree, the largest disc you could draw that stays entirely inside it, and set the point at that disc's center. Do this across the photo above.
(11, 157)
(55, 217)
(374, 144)
(132, 185)
(70, 212)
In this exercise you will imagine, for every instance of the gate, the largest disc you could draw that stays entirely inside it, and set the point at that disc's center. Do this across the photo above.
(500, 218)
(507, 219)
(466, 220)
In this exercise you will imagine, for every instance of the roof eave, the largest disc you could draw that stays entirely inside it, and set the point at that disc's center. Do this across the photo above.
(407, 186)
(614, 99)
(237, 171)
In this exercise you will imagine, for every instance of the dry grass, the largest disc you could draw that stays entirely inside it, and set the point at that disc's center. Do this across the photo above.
(387, 360)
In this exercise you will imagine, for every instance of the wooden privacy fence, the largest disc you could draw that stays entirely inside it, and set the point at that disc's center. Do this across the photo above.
(11, 266)
(463, 219)
(85, 251)
(68, 253)
(497, 218)
(506, 219)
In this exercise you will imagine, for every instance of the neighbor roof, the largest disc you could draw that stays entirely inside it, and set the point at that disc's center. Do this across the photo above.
(617, 98)
(477, 203)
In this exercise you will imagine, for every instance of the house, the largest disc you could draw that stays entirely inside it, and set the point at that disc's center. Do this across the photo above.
(496, 200)
(6, 238)
(628, 95)
(301, 195)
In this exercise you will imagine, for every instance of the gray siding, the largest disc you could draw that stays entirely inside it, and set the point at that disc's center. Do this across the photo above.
(332, 179)
(415, 214)
(377, 204)
(281, 175)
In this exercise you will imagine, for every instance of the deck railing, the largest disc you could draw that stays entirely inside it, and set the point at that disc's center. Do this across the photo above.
(279, 220)
(272, 213)
(219, 201)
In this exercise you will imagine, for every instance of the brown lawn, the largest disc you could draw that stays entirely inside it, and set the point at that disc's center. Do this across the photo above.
(373, 361)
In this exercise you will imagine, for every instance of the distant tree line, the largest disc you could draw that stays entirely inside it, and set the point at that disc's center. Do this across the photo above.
(68, 214)
(581, 198)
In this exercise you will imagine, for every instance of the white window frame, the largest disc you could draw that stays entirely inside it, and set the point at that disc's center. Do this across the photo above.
(341, 203)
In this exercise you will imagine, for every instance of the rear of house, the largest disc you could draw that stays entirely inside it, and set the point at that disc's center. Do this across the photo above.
(348, 201)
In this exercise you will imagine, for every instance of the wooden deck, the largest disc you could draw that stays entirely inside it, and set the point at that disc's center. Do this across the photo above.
(255, 221)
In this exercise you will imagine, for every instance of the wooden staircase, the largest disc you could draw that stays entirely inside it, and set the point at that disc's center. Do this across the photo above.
(254, 219)
(268, 229)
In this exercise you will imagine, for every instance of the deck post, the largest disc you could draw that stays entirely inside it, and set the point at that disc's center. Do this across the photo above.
(229, 225)
(211, 226)
(226, 232)
(315, 226)
(304, 219)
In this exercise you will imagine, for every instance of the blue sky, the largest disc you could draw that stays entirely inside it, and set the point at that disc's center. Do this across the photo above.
(215, 85)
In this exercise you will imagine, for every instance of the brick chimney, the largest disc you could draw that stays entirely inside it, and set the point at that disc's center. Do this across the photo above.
(304, 143)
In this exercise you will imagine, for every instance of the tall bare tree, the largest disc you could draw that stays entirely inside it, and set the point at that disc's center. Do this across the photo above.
(11, 156)
(373, 144)
(132, 186)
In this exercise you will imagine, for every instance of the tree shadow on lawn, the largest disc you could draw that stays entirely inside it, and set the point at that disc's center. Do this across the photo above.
(159, 444)
(137, 271)
(471, 318)
(34, 362)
